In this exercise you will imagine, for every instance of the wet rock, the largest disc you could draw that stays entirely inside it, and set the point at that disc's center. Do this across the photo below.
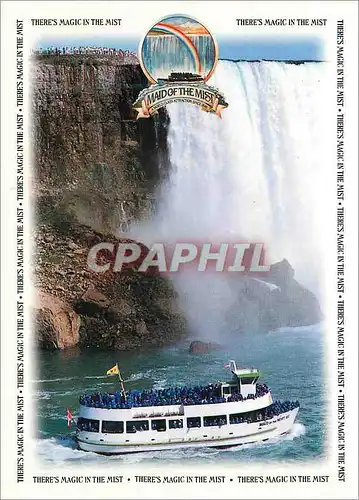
(118, 310)
(94, 296)
(57, 324)
(141, 328)
(127, 310)
(72, 245)
(80, 251)
(49, 238)
(199, 347)
(272, 301)
(281, 273)
(92, 303)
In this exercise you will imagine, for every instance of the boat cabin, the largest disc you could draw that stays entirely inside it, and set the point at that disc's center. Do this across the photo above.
(244, 381)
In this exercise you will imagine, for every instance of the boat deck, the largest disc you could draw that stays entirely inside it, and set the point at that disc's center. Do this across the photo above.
(199, 395)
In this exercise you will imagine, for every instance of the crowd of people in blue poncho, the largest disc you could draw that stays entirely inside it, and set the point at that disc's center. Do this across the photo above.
(276, 408)
(210, 394)
(261, 390)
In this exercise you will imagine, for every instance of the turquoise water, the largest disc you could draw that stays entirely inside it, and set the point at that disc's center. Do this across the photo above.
(290, 361)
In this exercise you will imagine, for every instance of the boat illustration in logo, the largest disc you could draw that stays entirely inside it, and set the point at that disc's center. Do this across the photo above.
(178, 56)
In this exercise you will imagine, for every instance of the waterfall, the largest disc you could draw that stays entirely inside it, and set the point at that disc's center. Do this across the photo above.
(166, 54)
(257, 175)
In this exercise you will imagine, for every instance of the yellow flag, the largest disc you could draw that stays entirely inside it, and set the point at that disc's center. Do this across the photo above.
(114, 370)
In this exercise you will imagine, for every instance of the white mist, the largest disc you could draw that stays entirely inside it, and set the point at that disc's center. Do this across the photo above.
(258, 175)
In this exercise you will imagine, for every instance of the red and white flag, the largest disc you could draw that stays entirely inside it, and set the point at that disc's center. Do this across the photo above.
(69, 417)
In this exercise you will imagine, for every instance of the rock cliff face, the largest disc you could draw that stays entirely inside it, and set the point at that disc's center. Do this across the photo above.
(75, 305)
(93, 160)
(199, 347)
(273, 301)
(96, 170)
(57, 324)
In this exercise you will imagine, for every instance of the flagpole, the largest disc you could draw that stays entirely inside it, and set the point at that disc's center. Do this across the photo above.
(122, 384)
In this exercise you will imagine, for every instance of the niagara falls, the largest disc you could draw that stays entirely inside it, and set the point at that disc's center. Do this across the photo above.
(254, 176)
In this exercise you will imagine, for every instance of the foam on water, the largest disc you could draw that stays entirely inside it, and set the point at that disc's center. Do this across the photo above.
(139, 376)
(42, 395)
(300, 329)
(50, 380)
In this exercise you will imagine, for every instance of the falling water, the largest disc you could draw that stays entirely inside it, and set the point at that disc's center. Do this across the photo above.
(165, 54)
(258, 175)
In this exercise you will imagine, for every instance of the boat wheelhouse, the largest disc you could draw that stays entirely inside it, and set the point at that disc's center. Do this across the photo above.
(224, 414)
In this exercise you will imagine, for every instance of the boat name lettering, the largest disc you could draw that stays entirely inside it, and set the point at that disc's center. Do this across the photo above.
(273, 421)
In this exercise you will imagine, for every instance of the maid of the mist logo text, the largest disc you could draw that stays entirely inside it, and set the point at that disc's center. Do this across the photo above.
(178, 56)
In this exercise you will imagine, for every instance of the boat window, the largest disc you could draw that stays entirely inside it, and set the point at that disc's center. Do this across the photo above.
(215, 420)
(88, 424)
(237, 418)
(226, 390)
(175, 424)
(240, 418)
(112, 427)
(133, 426)
(158, 425)
(247, 380)
(193, 422)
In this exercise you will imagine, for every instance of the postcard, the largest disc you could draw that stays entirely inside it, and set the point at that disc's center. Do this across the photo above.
(179, 250)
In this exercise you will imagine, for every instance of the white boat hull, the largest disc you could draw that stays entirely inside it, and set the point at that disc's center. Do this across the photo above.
(219, 437)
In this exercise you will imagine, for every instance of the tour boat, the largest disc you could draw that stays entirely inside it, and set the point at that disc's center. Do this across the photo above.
(181, 78)
(224, 414)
